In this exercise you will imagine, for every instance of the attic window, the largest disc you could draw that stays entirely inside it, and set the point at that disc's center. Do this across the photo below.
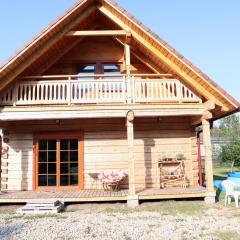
(86, 69)
(111, 69)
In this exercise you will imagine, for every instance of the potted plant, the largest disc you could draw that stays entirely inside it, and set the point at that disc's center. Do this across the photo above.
(180, 157)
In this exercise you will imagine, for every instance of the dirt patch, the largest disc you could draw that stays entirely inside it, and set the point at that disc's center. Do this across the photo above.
(9, 209)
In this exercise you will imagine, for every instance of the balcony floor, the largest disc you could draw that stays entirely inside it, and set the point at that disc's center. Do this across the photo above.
(100, 195)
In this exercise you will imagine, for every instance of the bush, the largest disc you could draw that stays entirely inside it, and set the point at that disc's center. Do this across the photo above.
(230, 153)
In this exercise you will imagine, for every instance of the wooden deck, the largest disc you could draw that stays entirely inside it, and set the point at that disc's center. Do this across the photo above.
(100, 195)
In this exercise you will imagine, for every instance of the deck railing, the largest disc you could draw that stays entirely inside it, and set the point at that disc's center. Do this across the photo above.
(138, 88)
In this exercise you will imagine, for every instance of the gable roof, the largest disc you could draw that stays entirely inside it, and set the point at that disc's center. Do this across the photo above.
(161, 50)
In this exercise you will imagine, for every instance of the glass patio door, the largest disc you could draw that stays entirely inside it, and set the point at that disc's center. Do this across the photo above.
(59, 162)
(47, 162)
(69, 162)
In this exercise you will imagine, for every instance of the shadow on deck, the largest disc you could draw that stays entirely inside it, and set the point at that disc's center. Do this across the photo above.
(101, 195)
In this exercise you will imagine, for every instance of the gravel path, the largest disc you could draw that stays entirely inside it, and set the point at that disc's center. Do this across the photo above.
(167, 221)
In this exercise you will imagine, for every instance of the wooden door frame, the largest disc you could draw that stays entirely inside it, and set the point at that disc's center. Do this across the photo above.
(57, 135)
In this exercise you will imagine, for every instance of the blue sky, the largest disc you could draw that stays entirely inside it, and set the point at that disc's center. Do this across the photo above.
(207, 32)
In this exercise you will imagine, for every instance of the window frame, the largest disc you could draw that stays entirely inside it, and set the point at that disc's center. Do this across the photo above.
(99, 66)
(58, 136)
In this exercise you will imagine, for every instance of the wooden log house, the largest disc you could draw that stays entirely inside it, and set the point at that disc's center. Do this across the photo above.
(97, 90)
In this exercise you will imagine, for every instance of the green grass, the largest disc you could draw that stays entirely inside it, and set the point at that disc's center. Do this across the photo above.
(220, 172)
(165, 208)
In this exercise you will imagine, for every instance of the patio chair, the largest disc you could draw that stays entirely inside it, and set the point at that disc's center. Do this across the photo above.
(229, 187)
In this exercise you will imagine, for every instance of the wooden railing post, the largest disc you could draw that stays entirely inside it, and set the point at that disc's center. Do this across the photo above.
(124, 89)
(69, 91)
(208, 160)
(179, 91)
(129, 89)
(133, 89)
(15, 94)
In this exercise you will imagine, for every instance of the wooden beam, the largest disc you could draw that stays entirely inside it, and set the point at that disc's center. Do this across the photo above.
(207, 115)
(127, 54)
(208, 155)
(209, 105)
(169, 63)
(196, 120)
(127, 58)
(90, 111)
(172, 196)
(131, 164)
(97, 33)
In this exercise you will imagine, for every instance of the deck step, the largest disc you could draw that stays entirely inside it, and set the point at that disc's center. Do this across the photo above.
(41, 207)
(35, 203)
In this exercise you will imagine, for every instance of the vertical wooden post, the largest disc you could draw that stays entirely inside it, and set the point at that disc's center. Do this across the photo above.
(128, 76)
(15, 94)
(69, 91)
(128, 68)
(127, 59)
(131, 167)
(208, 155)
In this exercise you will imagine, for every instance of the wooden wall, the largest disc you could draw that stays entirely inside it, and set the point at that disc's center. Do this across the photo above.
(19, 162)
(105, 147)
(92, 50)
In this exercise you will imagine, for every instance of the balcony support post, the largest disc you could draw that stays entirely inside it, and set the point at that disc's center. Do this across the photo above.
(132, 197)
(208, 160)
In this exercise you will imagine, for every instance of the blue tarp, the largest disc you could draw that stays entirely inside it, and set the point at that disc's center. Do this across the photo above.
(218, 184)
(233, 176)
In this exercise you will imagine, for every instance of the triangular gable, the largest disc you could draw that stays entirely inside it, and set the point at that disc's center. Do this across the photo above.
(163, 54)
(173, 59)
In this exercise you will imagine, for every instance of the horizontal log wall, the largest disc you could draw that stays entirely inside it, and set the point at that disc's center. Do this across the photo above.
(20, 162)
(105, 148)
(109, 151)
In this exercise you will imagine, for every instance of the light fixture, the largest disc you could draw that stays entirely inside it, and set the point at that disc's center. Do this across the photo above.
(159, 119)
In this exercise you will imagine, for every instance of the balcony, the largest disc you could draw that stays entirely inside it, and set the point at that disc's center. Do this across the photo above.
(97, 89)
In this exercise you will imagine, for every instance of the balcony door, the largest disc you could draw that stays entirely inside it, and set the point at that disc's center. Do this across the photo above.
(58, 161)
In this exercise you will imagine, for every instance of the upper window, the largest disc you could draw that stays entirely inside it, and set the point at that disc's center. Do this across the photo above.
(86, 70)
(100, 68)
(111, 69)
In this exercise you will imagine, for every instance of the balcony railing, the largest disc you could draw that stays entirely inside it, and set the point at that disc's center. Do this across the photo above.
(138, 88)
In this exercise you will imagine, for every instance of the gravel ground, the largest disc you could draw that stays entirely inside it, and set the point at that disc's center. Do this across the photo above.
(164, 220)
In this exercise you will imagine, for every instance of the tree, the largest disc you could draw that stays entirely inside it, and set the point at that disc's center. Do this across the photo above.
(230, 153)
(228, 127)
